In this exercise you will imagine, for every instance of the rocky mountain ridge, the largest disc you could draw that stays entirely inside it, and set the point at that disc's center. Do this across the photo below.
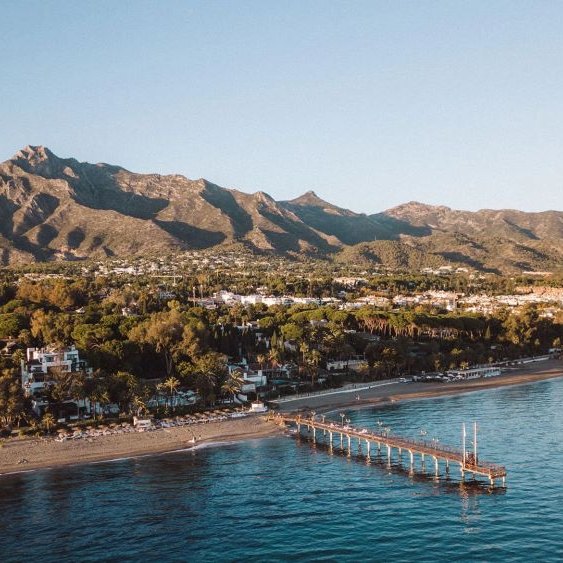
(60, 208)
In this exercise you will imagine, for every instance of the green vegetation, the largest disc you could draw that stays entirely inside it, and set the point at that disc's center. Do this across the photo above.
(146, 334)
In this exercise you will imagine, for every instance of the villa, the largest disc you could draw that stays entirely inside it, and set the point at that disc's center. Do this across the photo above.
(37, 368)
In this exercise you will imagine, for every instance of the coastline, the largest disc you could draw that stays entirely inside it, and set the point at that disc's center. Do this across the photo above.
(44, 453)
(396, 392)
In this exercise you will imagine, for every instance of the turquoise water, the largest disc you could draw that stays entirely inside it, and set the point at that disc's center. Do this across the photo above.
(281, 498)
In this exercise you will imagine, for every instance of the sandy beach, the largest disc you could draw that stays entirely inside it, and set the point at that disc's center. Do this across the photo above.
(41, 453)
(405, 391)
(25, 454)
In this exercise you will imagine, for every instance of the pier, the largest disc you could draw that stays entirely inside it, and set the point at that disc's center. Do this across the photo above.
(342, 435)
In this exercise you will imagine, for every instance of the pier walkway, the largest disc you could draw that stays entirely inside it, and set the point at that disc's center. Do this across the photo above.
(468, 462)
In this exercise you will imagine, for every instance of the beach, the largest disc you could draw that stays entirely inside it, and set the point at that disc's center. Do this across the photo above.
(392, 392)
(26, 454)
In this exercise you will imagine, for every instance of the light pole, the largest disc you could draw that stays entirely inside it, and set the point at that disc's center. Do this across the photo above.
(475, 442)
(342, 416)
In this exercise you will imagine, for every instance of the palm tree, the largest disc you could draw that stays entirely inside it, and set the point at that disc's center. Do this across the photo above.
(303, 348)
(48, 421)
(313, 359)
(139, 404)
(171, 385)
(261, 358)
(233, 384)
(274, 357)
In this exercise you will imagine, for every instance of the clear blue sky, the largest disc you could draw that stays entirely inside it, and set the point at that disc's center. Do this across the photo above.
(369, 103)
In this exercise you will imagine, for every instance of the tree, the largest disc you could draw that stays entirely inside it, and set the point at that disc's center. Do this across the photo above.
(291, 331)
(140, 399)
(48, 422)
(122, 387)
(313, 361)
(162, 331)
(233, 384)
(208, 372)
(51, 328)
(261, 358)
(96, 388)
(304, 349)
(11, 324)
(12, 401)
(170, 385)
(274, 357)
(371, 354)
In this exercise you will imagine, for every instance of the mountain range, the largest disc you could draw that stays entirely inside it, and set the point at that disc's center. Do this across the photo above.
(60, 208)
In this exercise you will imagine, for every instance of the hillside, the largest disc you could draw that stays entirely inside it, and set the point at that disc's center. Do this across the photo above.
(59, 208)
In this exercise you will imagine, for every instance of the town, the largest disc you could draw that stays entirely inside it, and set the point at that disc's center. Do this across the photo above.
(113, 340)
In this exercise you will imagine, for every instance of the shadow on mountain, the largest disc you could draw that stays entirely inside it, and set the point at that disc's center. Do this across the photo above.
(193, 237)
(293, 232)
(523, 231)
(350, 229)
(36, 211)
(223, 200)
(132, 205)
(97, 188)
(392, 228)
(461, 258)
(7, 210)
(4, 256)
(45, 234)
(75, 238)
(39, 253)
(97, 243)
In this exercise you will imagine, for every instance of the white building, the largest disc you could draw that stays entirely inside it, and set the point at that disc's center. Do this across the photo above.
(36, 369)
(353, 364)
(251, 299)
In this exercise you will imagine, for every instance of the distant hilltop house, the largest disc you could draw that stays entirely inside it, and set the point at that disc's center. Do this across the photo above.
(38, 367)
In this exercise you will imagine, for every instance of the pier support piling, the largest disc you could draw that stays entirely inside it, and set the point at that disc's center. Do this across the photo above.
(472, 465)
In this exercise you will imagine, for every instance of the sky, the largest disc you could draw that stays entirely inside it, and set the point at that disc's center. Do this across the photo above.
(369, 103)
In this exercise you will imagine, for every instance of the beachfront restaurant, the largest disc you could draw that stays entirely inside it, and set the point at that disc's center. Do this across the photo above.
(474, 373)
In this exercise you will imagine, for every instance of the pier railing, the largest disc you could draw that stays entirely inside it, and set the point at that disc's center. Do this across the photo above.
(421, 447)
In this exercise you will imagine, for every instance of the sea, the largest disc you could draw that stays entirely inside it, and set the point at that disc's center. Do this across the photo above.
(287, 499)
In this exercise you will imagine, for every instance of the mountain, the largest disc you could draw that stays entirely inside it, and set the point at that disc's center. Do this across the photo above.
(60, 208)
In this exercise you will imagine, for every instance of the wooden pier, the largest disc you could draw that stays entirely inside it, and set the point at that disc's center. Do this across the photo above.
(342, 435)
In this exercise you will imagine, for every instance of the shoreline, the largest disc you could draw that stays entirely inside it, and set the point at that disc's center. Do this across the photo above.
(395, 392)
(46, 453)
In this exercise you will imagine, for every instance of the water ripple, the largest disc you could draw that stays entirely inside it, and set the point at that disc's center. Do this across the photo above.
(282, 499)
